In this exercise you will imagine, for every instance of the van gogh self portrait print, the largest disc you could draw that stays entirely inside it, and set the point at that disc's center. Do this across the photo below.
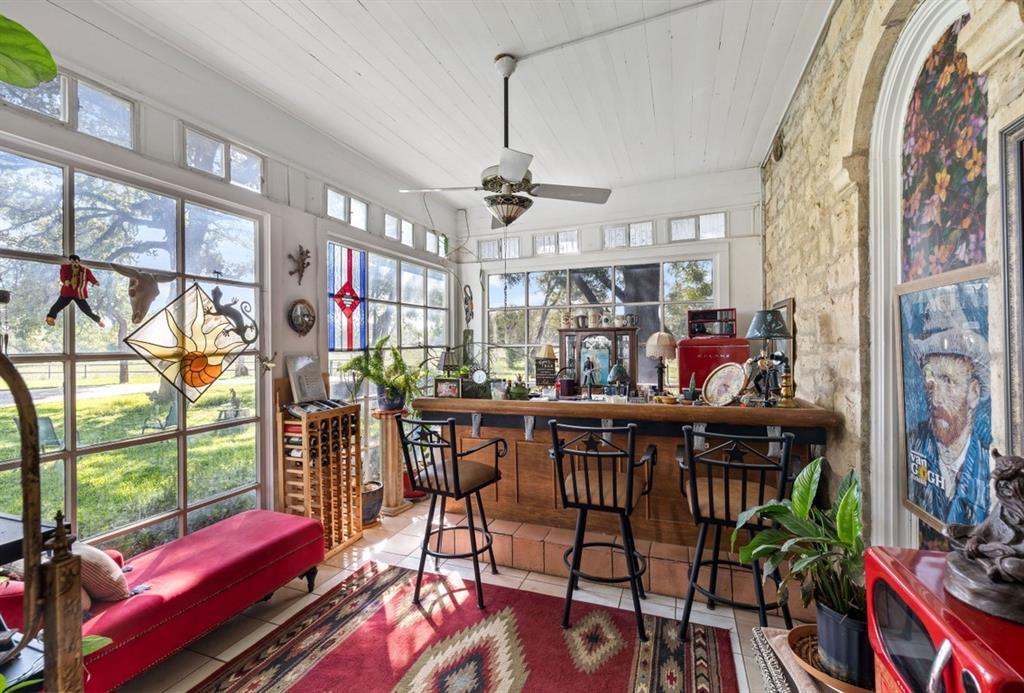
(946, 401)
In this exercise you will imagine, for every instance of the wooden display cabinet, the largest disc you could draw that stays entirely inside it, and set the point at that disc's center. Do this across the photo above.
(605, 345)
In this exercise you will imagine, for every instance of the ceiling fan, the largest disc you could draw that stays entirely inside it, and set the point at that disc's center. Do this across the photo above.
(512, 175)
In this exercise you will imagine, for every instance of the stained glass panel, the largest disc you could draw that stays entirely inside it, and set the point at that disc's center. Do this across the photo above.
(346, 287)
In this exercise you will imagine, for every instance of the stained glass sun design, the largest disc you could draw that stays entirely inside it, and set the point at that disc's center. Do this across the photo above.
(190, 342)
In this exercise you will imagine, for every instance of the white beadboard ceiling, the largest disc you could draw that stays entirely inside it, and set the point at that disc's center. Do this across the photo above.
(412, 85)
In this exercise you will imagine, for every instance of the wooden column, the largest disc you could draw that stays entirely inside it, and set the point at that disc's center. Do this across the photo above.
(391, 466)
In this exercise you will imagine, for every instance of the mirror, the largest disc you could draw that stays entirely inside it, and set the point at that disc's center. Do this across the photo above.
(301, 316)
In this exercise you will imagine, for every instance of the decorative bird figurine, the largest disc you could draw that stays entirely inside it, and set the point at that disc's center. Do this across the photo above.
(267, 364)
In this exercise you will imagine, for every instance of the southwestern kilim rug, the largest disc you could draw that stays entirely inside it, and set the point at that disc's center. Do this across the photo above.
(366, 635)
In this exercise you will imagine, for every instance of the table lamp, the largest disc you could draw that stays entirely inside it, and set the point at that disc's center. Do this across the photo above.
(769, 325)
(449, 361)
(661, 346)
(546, 351)
(618, 377)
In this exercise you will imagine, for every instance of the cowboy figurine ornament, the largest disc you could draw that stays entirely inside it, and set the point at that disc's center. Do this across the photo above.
(75, 279)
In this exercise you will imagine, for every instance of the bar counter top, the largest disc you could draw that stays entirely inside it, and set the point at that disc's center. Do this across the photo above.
(804, 414)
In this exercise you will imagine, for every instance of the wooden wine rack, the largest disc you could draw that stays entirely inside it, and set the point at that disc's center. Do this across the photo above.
(320, 468)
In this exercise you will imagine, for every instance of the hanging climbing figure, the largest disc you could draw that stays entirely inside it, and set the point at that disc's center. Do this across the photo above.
(75, 279)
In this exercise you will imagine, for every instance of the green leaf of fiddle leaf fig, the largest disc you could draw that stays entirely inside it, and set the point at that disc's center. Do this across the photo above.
(24, 60)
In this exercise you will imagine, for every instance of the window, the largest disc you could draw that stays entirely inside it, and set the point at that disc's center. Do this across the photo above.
(391, 229)
(145, 464)
(430, 242)
(83, 106)
(568, 242)
(357, 213)
(524, 309)
(632, 235)
(703, 227)
(498, 248)
(407, 233)
(223, 159)
(545, 244)
(641, 234)
(442, 245)
(337, 204)
(371, 296)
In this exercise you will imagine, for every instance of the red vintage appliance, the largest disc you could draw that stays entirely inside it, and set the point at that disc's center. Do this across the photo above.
(701, 355)
(920, 633)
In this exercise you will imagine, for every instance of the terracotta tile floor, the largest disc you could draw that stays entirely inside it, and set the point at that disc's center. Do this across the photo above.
(397, 541)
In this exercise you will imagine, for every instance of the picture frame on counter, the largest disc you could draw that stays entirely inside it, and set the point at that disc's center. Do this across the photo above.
(787, 307)
(450, 388)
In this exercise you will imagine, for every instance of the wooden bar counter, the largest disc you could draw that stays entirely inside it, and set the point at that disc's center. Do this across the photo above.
(528, 490)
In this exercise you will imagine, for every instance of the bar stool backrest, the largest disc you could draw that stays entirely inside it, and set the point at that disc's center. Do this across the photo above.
(430, 455)
(593, 471)
(732, 474)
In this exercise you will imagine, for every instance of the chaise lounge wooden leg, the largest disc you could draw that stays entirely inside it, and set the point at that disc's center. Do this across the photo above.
(310, 576)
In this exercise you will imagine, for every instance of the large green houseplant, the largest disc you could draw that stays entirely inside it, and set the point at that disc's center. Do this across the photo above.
(397, 381)
(825, 552)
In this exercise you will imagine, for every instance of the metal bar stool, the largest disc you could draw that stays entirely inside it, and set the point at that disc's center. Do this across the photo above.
(725, 478)
(596, 474)
(436, 467)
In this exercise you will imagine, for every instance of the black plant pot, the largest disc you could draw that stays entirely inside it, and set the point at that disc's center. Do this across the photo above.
(373, 499)
(389, 403)
(844, 648)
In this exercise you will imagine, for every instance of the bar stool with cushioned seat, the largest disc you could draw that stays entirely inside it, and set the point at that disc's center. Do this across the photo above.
(436, 467)
(594, 473)
(726, 477)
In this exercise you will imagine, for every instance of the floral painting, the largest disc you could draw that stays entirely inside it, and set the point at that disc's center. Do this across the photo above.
(944, 151)
(194, 339)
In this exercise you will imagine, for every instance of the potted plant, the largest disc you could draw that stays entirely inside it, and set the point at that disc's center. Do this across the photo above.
(395, 379)
(825, 552)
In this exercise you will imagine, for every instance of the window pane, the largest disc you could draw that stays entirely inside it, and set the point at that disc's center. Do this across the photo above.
(637, 283)
(430, 242)
(683, 229)
(407, 232)
(47, 98)
(346, 321)
(125, 225)
(118, 400)
(51, 490)
(507, 327)
(437, 288)
(712, 225)
(103, 115)
(412, 283)
(246, 169)
(358, 210)
(31, 205)
(675, 319)
(544, 324)
(46, 384)
(219, 461)
(383, 321)
(547, 288)
(511, 248)
(689, 280)
(221, 510)
(119, 487)
(649, 322)
(110, 300)
(437, 327)
(391, 227)
(413, 327)
(590, 285)
(144, 539)
(506, 363)
(204, 153)
(506, 290)
(232, 395)
(442, 245)
(545, 244)
(34, 286)
(383, 278)
(216, 241)
(568, 242)
(616, 236)
(489, 250)
(641, 234)
(336, 204)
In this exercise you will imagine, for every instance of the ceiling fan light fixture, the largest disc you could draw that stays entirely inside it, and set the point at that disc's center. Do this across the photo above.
(507, 208)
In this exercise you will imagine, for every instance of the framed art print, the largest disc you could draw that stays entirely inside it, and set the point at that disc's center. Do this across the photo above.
(945, 396)
(448, 387)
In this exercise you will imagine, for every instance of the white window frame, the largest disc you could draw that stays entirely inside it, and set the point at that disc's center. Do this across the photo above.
(328, 189)
(549, 239)
(366, 213)
(227, 144)
(627, 239)
(698, 234)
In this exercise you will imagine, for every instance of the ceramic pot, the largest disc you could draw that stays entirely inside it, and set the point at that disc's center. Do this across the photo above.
(373, 499)
(844, 648)
(386, 403)
(582, 321)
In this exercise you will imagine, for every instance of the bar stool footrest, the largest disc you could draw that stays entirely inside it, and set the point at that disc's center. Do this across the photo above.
(481, 548)
(641, 560)
(707, 563)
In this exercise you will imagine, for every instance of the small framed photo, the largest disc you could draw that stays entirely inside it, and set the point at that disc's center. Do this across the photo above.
(448, 387)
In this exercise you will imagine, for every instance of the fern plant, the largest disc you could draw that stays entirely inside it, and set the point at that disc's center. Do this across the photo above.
(824, 548)
(393, 375)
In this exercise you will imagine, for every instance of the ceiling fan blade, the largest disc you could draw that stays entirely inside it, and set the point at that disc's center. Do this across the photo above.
(570, 192)
(426, 190)
(513, 165)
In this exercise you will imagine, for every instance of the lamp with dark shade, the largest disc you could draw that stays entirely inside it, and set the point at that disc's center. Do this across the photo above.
(768, 324)
(449, 361)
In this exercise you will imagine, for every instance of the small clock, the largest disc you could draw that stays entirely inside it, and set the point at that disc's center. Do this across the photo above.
(479, 376)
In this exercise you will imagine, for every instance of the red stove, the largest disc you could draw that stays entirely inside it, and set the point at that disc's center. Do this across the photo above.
(921, 633)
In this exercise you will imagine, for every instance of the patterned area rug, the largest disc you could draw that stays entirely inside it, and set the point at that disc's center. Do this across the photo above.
(366, 635)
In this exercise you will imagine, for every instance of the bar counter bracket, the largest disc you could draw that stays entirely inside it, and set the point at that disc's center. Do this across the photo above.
(477, 417)
(529, 422)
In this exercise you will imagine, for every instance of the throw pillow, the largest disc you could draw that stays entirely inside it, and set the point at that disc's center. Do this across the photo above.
(102, 578)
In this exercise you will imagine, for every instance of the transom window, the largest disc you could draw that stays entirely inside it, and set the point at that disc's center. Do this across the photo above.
(499, 248)
(220, 158)
(701, 227)
(398, 229)
(555, 243)
(144, 465)
(633, 235)
(371, 296)
(337, 204)
(525, 308)
(357, 213)
(82, 105)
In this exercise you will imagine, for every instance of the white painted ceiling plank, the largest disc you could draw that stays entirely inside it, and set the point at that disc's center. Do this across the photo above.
(707, 45)
(726, 65)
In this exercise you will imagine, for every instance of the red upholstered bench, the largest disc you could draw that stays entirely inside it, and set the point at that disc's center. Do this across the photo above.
(196, 583)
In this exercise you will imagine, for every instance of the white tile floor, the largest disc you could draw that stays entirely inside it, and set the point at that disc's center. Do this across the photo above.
(397, 542)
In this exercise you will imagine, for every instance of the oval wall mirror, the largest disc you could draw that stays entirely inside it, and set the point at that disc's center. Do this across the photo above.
(301, 316)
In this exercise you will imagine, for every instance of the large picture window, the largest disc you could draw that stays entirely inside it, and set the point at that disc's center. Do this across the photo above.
(370, 296)
(525, 308)
(131, 465)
